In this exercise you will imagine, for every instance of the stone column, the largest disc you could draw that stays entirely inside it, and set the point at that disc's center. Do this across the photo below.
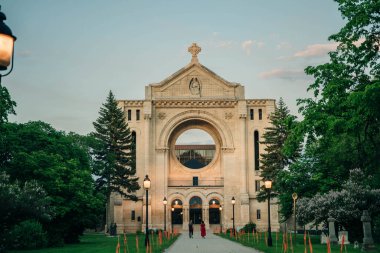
(207, 217)
(244, 175)
(332, 234)
(367, 240)
(185, 217)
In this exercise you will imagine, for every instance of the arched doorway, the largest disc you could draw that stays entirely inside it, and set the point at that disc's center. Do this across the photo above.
(195, 210)
(214, 212)
(177, 212)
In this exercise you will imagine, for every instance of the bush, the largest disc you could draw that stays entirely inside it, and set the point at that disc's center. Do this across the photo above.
(28, 234)
(249, 227)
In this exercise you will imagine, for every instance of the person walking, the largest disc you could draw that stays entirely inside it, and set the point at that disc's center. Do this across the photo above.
(203, 230)
(191, 229)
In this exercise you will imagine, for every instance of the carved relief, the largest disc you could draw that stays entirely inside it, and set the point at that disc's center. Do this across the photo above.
(161, 115)
(195, 86)
(228, 115)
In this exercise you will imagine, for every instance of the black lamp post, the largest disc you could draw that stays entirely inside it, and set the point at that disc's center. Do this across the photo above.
(172, 218)
(146, 187)
(165, 202)
(220, 218)
(268, 187)
(295, 196)
(233, 214)
(6, 46)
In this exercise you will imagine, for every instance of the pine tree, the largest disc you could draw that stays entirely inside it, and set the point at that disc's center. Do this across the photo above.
(276, 158)
(114, 158)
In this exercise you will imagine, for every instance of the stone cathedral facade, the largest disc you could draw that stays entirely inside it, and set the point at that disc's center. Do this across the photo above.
(196, 179)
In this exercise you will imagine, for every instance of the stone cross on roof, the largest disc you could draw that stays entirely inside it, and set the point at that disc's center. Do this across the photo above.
(194, 50)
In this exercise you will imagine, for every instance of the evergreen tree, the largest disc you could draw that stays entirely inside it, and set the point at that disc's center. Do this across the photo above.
(276, 157)
(114, 156)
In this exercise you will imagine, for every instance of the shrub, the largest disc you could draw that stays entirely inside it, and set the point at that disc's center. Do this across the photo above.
(249, 227)
(28, 234)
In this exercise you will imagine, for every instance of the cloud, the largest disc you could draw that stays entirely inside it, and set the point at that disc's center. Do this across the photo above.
(316, 50)
(283, 74)
(283, 45)
(216, 42)
(248, 44)
(320, 50)
(223, 44)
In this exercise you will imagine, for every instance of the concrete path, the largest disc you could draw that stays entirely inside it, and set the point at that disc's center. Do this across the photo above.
(211, 244)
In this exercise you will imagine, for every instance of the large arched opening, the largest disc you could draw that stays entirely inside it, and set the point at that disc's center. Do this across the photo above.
(195, 210)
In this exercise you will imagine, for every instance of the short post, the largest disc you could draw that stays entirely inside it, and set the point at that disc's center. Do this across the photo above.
(367, 240)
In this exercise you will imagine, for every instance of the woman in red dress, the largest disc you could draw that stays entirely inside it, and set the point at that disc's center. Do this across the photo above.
(203, 230)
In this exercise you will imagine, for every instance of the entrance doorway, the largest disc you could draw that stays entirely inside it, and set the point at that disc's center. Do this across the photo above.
(195, 210)
(177, 215)
(214, 212)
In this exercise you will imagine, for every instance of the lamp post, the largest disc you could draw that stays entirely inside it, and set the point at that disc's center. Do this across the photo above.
(220, 217)
(165, 202)
(6, 46)
(172, 218)
(268, 187)
(295, 196)
(233, 214)
(146, 187)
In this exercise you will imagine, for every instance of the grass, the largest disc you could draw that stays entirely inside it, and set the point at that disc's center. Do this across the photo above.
(99, 243)
(259, 242)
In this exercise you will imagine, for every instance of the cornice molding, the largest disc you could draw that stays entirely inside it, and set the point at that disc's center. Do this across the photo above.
(195, 103)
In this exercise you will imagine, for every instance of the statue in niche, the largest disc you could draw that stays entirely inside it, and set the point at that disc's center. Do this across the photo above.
(195, 86)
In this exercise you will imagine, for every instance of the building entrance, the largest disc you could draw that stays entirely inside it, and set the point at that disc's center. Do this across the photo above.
(195, 210)
(214, 211)
(177, 217)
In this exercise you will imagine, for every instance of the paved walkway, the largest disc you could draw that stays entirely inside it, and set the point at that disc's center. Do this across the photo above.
(211, 244)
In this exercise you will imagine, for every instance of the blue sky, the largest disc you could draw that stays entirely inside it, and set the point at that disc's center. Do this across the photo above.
(70, 53)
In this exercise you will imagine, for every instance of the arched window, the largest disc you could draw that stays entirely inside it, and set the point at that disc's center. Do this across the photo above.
(256, 149)
(195, 210)
(133, 150)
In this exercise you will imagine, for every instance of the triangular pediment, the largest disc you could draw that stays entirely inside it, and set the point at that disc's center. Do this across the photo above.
(195, 81)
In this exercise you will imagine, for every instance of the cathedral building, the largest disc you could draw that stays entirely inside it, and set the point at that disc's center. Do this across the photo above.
(197, 178)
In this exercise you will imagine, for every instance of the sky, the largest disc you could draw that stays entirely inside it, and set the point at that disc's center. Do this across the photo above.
(195, 137)
(70, 53)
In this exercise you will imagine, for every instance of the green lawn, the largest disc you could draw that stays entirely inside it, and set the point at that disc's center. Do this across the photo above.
(99, 243)
(259, 242)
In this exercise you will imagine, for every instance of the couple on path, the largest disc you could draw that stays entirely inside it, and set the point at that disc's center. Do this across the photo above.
(191, 229)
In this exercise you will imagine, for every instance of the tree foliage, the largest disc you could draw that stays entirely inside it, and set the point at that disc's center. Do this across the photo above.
(275, 158)
(19, 203)
(342, 121)
(282, 147)
(345, 205)
(7, 105)
(114, 154)
(60, 163)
